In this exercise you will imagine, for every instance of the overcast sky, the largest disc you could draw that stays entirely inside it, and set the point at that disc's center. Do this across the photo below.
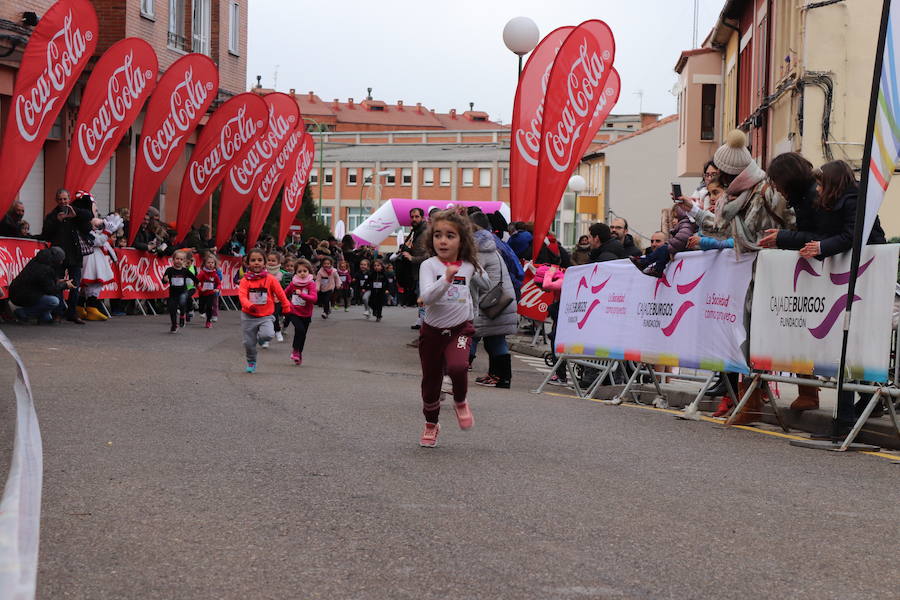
(447, 54)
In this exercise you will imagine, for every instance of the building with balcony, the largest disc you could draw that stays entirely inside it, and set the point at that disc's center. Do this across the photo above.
(795, 76)
(217, 28)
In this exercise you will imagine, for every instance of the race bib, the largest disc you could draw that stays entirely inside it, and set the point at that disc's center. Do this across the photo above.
(296, 300)
(377, 285)
(343, 279)
(178, 282)
(258, 296)
(208, 285)
(457, 292)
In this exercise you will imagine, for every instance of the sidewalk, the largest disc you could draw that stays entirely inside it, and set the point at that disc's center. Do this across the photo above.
(879, 431)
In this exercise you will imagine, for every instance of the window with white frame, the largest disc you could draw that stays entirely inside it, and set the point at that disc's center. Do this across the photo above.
(147, 8)
(484, 177)
(367, 176)
(505, 177)
(427, 176)
(234, 28)
(391, 177)
(313, 176)
(329, 176)
(201, 24)
(468, 177)
(351, 176)
(406, 176)
(326, 216)
(176, 37)
(445, 176)
(355, 217)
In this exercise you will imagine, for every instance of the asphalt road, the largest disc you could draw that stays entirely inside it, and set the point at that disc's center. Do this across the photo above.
(170, 473)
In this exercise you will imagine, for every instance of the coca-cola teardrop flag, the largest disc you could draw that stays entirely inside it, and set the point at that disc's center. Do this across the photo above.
(119, 85)
(182, 96)
(575, 88)
(271, 184)
(234, 126)
(57, 52)
(295, 182)
(527, 117)
(249, 166)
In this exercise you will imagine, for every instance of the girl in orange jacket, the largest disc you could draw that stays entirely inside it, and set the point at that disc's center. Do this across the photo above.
(258, 291)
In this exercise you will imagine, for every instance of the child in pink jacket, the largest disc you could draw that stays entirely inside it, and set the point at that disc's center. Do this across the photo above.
(550, 279)
(302, 294)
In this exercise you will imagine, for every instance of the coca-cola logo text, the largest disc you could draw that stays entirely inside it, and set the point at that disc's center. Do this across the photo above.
(13, 258)
(294, 189)
(185, 106)
(267, 185)
(123, 91)
(582, 84)
(245, 173)
(65, 50)
(142, 276)
(235, 134)
(528, 143)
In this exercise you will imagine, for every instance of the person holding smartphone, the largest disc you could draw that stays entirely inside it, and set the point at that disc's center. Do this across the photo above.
(67, 227)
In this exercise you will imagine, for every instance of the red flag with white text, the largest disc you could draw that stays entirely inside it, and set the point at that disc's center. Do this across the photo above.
(577, 85)
(271, 184)
(528, 109)
(58, 50)
(119, 85)
(182, 96)
(234, 126)
(249, 166)
(296, 179)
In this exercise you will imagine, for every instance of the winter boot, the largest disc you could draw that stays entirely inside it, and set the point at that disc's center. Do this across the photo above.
(807, 399)
(752, 411)
(503, 370)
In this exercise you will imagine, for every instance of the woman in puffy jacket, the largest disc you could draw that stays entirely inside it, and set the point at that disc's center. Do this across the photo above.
(493, 331)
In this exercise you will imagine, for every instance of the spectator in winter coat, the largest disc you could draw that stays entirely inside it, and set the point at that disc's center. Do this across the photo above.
(67, 227)
(581, 255)
(520, 240)
(10, 226)
(603, 245)
(824, 202)
(36, 289)
(552, 253)
(619, 229)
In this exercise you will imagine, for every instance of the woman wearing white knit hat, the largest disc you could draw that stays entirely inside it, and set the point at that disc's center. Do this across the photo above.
(753, 206)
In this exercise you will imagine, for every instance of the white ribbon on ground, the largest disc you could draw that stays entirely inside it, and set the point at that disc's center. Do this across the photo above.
(20, 507)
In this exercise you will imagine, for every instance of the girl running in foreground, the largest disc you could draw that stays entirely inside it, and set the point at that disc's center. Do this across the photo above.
(447, 329)
(302, 293)
(257, 292)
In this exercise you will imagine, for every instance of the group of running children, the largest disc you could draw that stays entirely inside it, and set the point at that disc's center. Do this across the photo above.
(275, 291)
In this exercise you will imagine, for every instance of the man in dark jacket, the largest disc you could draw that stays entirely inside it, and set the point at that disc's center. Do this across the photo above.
(603, 245)
(65, 226)
(619, 229)
(36, 289)
(412, 255)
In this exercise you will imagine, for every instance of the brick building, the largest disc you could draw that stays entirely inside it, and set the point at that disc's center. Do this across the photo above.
(217, 28)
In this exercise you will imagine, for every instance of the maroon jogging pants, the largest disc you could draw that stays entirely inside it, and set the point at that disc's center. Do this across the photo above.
(443, 351)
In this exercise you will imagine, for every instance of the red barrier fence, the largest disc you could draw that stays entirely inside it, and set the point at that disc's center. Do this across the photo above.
(138, 273)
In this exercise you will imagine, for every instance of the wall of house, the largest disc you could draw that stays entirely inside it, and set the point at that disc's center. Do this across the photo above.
(641, 171)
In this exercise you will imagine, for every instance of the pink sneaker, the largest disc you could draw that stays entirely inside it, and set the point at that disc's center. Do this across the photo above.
(209, 324)
(295, 356)
(429, 436)
(464, 415)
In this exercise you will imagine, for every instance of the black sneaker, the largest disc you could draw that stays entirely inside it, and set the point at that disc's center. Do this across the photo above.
(173, 329)
(502, 384)
(181, 322)
(416, 326)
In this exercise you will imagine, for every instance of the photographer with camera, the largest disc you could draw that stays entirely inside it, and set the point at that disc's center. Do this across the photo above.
(67, 227)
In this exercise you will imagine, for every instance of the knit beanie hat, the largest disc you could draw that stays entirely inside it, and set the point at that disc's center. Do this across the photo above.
(732, 157)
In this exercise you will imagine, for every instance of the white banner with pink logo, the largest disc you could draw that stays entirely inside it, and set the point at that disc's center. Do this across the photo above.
(394, 214)
(691, 317)
(798, 313)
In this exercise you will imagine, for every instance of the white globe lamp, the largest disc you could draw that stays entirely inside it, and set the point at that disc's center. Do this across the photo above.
(521, 35)
(577, 184)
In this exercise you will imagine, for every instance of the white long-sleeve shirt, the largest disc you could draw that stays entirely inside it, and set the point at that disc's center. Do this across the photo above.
(447, 304)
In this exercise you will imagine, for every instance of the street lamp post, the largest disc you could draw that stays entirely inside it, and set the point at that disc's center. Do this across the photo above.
(577, 184)
(367, 180)
(321, 130)
(521, 35)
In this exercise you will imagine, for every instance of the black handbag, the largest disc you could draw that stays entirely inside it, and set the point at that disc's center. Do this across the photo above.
(495, 301)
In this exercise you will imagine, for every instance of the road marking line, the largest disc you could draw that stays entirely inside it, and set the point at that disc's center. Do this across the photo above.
(670, 411)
